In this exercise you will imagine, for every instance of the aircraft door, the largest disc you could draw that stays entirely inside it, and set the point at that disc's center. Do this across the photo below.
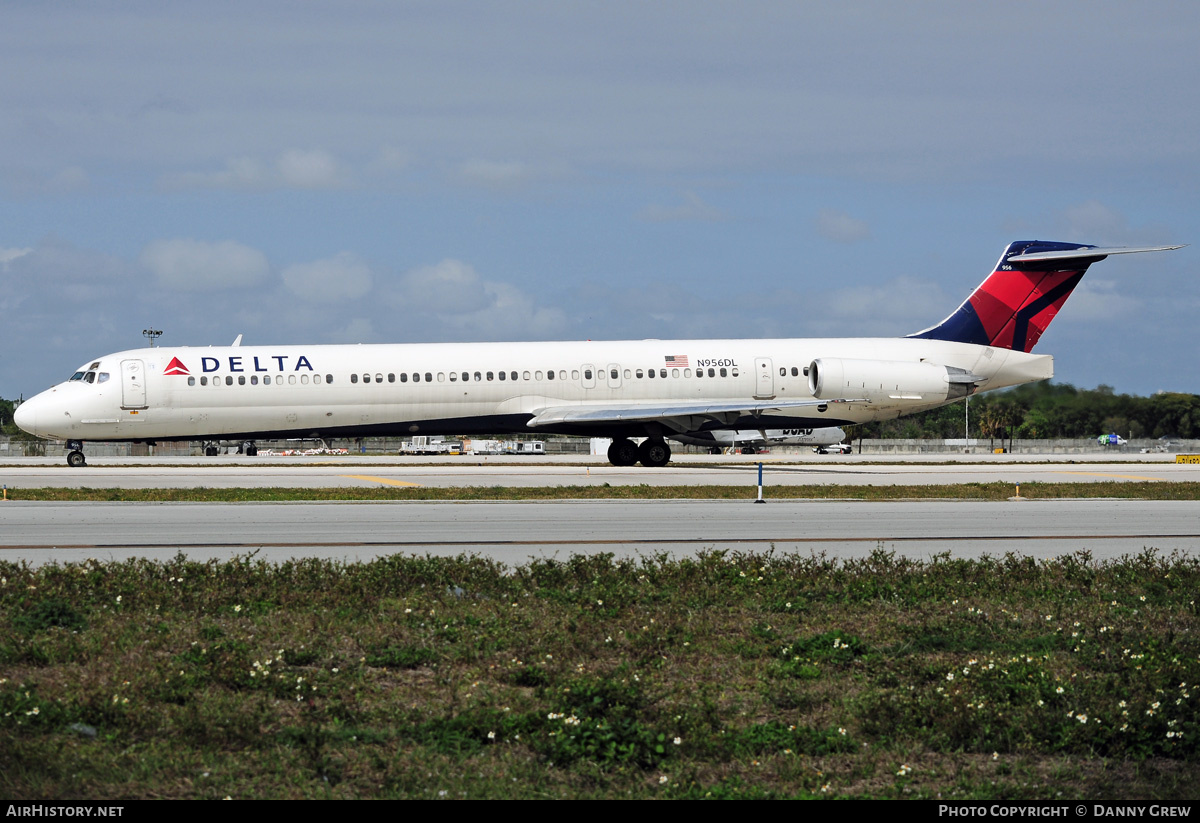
(613, 374)
(588, 375)
(764, 386)
(133, 384)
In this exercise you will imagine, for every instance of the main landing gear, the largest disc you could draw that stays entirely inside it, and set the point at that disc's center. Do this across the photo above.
(653, 452)
(75, 457)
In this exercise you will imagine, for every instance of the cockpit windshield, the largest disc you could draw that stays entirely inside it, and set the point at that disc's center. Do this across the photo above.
(90, 376)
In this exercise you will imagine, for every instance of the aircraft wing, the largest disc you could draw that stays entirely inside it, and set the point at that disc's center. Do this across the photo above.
(680, 417)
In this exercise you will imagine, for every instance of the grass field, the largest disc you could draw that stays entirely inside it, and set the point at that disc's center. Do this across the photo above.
(1138, 490)
(728, 676)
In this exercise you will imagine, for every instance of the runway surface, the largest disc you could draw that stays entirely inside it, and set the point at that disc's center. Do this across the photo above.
(364, 472)
(514, 532)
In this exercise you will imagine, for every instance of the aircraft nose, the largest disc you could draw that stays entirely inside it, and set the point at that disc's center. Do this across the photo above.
(26, 416)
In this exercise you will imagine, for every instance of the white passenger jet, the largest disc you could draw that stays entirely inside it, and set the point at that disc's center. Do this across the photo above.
(651, 389)
(750, 442)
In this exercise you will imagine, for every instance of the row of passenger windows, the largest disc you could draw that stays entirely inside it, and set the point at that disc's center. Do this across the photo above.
(795, 371)
(253, 380)
(466, 377)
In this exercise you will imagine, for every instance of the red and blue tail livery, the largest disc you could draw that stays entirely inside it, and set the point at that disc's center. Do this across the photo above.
(1012, 308)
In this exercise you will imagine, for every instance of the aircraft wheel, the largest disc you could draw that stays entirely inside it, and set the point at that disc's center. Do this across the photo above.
(75, 459)
(654, 453)
(622, 452)
(251, 450)
(210, 451)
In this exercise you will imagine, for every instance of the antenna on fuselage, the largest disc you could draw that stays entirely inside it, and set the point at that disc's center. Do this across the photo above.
(152, 335)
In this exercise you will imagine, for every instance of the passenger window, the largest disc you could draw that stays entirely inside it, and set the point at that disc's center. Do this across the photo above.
(663, 373)
(241, 379)
(587, 374)
(416, 377)
(391, 377)
(674, 372)
(491, 376)
(795, 372)
(574, 374)
(279, 380)
(291, 379)
(191, 381)
(503, 375)
(203, 381)
(366, 378)
(627, 374)
(537, 375)
(612, 374)
(478, 377)
(329, 378)
(354, 378)
(429, 377)
(650, 373)
(316, 378)
(687, 372)
(639, 374)
(304, 379)
(403, 377)
(441, 377)
(734, 371)
(782, 371)
(699, 372)
(254, 380)
(512, 375)
(550, 374)
(525, 375)
(712, 372)
(453, 377)
(723, 372)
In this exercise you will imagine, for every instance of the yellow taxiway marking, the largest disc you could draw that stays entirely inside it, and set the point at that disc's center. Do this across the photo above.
(386, 481)
(1121, 476)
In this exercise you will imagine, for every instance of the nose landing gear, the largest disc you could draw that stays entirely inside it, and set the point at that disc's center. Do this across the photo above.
(75, 458)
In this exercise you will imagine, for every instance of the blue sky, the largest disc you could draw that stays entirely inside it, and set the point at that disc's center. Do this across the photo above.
(303, 172)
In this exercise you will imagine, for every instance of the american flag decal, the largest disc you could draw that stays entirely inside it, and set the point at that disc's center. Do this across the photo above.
(679, 360)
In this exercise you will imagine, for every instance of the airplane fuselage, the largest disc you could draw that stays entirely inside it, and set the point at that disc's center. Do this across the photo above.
(250, 392)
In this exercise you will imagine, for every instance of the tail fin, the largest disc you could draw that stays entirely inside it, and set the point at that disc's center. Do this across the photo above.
(1014, 305)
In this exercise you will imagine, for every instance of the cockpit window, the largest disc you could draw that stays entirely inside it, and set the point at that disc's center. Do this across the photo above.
(90, 377)
(102, 377)
(77, 376)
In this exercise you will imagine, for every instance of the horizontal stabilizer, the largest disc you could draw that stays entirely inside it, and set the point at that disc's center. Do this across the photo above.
(1085, 251)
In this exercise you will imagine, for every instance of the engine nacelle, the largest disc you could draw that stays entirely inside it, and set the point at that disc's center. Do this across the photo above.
(880, 381)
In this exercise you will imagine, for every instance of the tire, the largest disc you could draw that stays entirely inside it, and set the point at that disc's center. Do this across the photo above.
(654, 453)
(76, 459)
(622, 452)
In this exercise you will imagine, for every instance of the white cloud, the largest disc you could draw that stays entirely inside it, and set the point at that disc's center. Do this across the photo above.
(334, 280)
(693, 208)
(449, 287)
(8, 255)
(1098, 300)
(459, 298)
(193, 265)
(840, 227)
(896, 307)
(301, 169)
(293, 169)
(496, 174)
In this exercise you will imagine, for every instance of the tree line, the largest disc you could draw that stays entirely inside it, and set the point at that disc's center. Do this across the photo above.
(1048, 410)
